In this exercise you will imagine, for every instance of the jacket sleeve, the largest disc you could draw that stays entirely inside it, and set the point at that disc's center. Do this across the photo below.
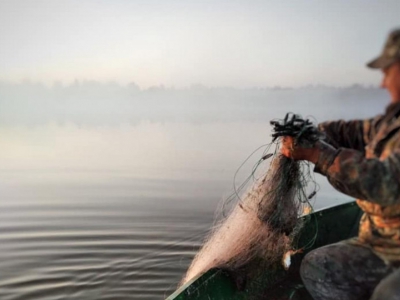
(353, 134)
(368, 179)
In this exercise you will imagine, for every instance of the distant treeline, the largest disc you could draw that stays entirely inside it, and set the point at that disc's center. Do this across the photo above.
(93, 103)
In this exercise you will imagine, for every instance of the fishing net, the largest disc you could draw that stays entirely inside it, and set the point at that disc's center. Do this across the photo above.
(261, 228)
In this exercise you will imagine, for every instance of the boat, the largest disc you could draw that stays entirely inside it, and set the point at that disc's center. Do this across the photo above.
(324, 227)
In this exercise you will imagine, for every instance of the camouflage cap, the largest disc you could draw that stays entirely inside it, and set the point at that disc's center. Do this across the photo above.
(390, 53)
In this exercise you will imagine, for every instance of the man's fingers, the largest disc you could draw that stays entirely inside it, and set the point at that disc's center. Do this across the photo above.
(286, 152)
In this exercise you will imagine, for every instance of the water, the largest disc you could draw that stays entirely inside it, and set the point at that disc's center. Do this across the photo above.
(104, 234)
(97, 242)
(115, 210)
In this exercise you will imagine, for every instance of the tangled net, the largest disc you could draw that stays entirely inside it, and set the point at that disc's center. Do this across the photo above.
(262, 227)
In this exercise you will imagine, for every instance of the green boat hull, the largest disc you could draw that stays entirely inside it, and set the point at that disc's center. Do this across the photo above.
(329, 226)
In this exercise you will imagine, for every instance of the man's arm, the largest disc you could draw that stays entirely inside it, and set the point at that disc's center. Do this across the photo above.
(368, 179)
(353, 134)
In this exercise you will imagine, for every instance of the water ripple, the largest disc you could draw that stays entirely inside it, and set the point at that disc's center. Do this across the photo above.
(105, 253)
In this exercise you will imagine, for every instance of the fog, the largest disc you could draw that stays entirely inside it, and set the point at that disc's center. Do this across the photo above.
(159, 132)
(91, 103)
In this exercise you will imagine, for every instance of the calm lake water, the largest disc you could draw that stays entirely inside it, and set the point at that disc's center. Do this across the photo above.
(127, 233)
(117, 211)
(126, 239)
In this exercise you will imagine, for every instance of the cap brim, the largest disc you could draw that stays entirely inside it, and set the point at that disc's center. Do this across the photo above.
(381, 62)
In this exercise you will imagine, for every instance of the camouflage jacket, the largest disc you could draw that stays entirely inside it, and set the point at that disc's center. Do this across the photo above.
(364, 163)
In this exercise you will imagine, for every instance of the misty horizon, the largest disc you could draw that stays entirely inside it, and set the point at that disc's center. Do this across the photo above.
(84, 81)
(95, 103)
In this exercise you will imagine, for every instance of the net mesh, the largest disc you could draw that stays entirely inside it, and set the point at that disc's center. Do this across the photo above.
(263, 224)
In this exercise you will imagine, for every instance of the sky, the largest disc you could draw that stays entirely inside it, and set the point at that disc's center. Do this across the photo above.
(179, 43)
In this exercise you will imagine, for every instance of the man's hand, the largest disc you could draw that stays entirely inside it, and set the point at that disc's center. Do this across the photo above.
(288, 149)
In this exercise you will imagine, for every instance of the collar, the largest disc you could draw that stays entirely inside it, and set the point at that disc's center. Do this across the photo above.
(393, 110)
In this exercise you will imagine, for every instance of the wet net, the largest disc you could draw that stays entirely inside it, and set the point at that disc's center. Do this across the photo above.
(262, 226)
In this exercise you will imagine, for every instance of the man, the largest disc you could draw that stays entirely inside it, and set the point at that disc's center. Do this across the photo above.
(361, 158)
